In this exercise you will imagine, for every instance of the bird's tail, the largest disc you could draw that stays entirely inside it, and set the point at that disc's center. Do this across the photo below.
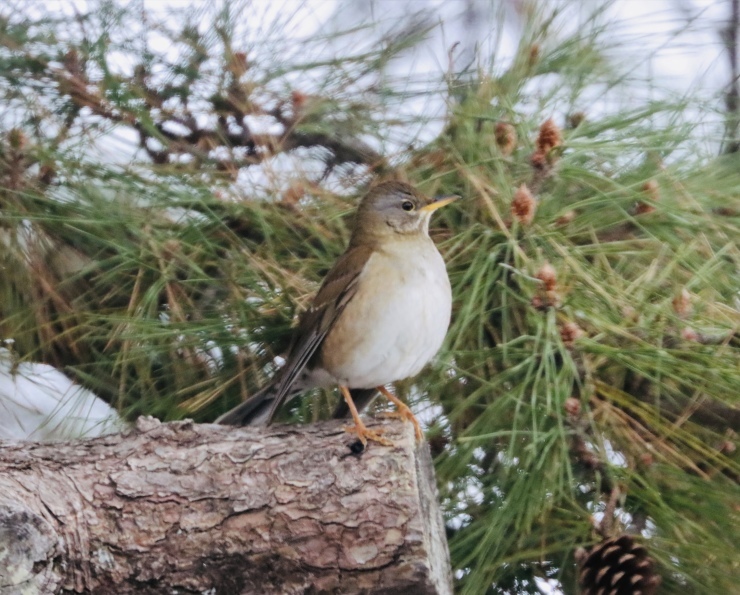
(255, 411)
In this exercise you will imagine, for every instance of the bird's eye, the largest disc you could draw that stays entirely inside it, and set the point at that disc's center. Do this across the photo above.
(407, 205)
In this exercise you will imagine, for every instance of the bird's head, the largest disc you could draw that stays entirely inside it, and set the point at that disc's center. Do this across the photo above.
(393, 208)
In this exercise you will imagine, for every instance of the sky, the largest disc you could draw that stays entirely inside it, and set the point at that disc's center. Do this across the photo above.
(678, 39)
(674, 42)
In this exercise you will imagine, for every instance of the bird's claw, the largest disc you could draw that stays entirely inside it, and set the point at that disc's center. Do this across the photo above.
(405, 414)
(363, 434)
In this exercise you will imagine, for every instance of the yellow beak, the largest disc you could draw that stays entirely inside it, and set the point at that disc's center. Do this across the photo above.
(438, 203)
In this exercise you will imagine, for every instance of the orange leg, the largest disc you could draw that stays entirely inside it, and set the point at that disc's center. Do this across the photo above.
(403, 411)
(362, 432)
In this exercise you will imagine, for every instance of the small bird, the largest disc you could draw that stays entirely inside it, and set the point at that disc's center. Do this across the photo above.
(380, 315)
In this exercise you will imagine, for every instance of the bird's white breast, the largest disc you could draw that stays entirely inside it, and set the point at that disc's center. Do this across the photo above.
(397, 320)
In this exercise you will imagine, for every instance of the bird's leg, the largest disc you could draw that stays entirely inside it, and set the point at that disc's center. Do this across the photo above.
(403, 412)
(359, 428)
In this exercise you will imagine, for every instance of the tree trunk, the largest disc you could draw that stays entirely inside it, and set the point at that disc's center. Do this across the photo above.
(186, 508)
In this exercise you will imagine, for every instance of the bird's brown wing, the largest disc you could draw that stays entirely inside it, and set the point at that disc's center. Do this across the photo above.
(337, 290)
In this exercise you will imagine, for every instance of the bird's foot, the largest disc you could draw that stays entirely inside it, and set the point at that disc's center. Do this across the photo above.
(403, 412)
(406, 414)
(363, 434)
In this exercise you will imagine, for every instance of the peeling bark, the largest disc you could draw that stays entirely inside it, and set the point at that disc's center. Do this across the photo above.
(186, 508)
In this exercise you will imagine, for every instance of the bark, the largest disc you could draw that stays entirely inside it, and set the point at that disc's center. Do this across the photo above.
(186, 508)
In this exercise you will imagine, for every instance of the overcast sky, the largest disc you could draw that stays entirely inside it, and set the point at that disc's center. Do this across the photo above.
(674, 43)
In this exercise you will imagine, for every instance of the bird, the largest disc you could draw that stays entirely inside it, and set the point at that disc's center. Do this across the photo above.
(380, 315)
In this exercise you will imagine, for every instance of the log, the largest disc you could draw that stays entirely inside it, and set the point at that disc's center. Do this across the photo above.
(187, 508)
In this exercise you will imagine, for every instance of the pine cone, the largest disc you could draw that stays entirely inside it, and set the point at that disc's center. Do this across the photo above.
(617, 566)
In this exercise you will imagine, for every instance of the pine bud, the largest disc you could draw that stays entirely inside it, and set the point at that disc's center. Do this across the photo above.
(651, 189)
(572, 406)
(506, 137)
(548, 276)
(565, 218)
(523, 205)
(538, 161)
(576, 119)
(298, 101)
(682, 303)
(549, 137)
(642, 208)
(689, 334)
(534, 54)
(727, 447)
(570, 332)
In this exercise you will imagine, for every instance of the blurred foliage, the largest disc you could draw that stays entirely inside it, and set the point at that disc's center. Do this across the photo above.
(589, 382)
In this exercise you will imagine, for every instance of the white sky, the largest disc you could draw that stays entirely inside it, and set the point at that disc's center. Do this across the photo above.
(684, 59)
(674, 42)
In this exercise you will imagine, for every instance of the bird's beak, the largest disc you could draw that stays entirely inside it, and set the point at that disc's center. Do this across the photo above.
(438, 203)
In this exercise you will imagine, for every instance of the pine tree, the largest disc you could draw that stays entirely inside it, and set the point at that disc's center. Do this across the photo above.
(173, 186)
